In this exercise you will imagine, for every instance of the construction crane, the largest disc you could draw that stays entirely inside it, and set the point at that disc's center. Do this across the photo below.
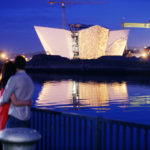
(138, 25)
(64, 2)
(135, 25)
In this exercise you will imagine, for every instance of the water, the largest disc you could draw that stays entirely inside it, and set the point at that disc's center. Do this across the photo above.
(119, 98)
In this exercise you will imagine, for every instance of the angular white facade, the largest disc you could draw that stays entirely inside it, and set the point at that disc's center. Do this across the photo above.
(55, 41)
(117, 41)
(93, 42)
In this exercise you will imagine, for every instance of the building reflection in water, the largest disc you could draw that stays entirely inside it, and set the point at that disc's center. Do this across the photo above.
(99, 94)
(75, 94)
(79, 94)
(55, 93)
(93, 94)
(117, 91)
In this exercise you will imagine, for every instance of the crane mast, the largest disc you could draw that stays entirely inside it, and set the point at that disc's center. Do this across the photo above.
(73, 27)
(63, 4)
(63, 14)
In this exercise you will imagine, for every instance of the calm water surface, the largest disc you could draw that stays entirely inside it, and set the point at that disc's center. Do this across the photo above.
(122, 99)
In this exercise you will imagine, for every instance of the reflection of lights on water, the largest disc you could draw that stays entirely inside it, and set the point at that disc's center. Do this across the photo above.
(117, 91)
(139, 101)
(77, 94)
(55, 93)
(100, 109)
(96, 94)
(74, 88)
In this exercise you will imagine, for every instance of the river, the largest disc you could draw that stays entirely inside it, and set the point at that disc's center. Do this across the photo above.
(120, 98)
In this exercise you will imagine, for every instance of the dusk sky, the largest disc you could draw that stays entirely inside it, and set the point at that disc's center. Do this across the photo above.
(18, 18)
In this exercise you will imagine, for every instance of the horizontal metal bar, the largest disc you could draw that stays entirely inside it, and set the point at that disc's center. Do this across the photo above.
(118, 122)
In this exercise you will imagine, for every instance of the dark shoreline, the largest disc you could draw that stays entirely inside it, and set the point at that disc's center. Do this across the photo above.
(105, 65)
(91, 71)
(43, 75)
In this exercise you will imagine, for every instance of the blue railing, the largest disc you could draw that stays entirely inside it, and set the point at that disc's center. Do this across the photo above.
(68, 131)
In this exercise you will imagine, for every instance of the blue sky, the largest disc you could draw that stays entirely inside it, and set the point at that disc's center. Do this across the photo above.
(17, 18)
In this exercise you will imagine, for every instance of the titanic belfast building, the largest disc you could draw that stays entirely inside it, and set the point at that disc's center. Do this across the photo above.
(90, 42)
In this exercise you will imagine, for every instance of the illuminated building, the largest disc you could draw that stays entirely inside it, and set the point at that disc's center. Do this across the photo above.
(89, 43)
(92, 42)
(117, 41)
(55, 41)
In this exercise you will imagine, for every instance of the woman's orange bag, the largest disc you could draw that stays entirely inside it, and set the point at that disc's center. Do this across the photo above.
(3, 112)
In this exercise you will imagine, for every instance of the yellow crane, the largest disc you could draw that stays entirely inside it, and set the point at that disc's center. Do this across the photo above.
(138, 25)
(64, 2)
(135, 25)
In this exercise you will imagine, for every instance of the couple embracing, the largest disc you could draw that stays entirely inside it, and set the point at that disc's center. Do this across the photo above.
(16, 95)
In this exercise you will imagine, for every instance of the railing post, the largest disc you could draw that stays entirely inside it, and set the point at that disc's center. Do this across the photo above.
(98, 134)
(19, 138)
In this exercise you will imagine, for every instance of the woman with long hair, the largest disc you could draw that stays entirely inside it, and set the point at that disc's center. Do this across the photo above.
(8, 69)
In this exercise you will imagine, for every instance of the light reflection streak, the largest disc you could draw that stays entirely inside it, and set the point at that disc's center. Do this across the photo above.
(137, 101)
(117, 91)
(95, 94)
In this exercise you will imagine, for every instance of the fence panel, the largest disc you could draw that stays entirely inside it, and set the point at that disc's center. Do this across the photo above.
(68, 131)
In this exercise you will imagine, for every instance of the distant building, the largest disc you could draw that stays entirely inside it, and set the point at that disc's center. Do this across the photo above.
(85, 42)
(147, 51)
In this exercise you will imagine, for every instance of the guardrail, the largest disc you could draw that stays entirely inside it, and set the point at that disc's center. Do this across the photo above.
(69, 131)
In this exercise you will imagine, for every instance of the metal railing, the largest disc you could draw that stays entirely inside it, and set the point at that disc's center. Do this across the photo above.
(68, 131)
